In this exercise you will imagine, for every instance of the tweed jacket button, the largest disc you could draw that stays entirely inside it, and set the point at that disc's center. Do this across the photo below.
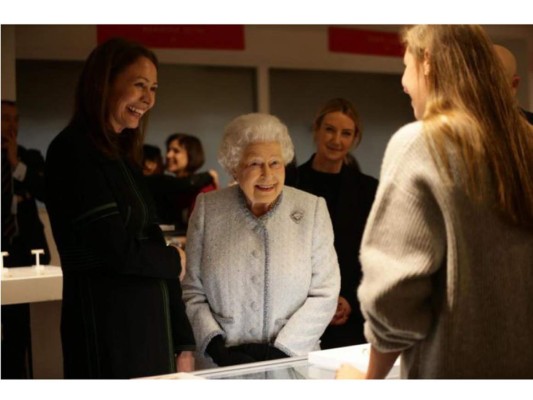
(255, 307)
(255, 254)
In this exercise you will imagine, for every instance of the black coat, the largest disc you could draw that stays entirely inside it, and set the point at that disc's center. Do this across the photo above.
(349, 215)
(122, 314)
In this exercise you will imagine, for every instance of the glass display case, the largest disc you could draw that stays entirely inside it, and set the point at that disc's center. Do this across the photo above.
(286, 368)
(320, 364)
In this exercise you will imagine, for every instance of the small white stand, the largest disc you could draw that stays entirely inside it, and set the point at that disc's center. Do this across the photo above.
(5, 271)
(38, 267)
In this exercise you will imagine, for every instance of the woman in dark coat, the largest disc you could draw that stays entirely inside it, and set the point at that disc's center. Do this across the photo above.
(122, 314)
(331, 173)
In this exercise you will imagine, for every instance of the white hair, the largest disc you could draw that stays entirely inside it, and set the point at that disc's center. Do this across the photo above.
(252, 128)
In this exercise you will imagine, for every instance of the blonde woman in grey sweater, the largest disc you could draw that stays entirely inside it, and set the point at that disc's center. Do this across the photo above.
(262, 276)
(447, 253)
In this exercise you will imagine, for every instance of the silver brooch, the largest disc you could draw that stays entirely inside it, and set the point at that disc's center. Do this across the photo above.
(297, 216)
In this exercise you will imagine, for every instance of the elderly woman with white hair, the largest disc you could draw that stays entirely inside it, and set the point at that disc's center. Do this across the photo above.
(262, 273)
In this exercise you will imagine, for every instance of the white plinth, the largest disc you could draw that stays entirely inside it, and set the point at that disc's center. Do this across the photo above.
(27, 285)
(42, 289)
(358, 356)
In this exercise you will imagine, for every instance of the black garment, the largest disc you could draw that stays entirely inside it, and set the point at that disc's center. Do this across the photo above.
(172, 196)
(528, 115)
(242, 354)
(122, 314)
(29, 234)
(349, 196)
(9, 228)
(291, 173)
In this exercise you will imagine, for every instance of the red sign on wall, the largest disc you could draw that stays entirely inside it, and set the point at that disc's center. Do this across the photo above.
(358, 41)
(211, 37)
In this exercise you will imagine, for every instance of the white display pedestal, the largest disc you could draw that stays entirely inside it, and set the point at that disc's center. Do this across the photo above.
(42, 289)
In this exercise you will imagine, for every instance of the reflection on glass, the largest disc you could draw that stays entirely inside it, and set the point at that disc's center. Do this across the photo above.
(292, 368)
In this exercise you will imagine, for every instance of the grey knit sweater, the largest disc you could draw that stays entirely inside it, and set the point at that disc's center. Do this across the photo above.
(446, 281)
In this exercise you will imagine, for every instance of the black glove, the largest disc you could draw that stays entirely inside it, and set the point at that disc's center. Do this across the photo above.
(274, 353)
(260, 351)
(224, 356)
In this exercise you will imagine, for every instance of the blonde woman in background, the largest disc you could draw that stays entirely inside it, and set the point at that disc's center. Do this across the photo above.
(349, 195)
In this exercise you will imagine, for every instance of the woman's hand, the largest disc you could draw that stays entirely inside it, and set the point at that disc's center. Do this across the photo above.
(185, 361)
(183, 260)
(346, 371)
(379, 366)
(183, 257)
(343, 312)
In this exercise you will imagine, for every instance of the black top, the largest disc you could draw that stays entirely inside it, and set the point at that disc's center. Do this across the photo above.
(122, 314)
(349, 196)
(173, 196)
(325, 185)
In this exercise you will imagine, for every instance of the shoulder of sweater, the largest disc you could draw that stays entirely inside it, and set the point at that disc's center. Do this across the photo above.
(408, 163)
(407, 136)
(406, 150)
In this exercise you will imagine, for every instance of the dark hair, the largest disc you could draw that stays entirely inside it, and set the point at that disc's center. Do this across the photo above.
(153, 153)
(344, 106)
(194, 148)
(100, 70)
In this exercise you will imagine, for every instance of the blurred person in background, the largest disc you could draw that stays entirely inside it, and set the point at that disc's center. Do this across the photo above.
(509, 63)
(152, 160)
(185, 156)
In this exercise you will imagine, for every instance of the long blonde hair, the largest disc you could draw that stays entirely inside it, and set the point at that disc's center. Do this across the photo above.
(470, 106)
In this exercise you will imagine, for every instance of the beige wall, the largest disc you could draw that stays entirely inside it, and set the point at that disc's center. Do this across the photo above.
(9, 91)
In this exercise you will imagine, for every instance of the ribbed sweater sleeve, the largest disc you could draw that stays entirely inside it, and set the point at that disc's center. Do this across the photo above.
(403, 245)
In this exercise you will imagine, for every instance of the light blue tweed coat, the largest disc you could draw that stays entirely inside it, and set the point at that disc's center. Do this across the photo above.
(273, 279)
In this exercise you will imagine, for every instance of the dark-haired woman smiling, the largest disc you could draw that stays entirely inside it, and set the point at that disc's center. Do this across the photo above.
(122, 313)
